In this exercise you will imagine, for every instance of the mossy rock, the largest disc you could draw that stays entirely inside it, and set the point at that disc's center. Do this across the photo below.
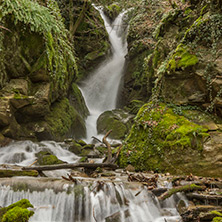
(118, 121)
(77, 101)
(158, 139)
(46, 158)
(16, 212)
(75, 148)
(182, 58)
(112, 11)
(81, 142)
(64, 120)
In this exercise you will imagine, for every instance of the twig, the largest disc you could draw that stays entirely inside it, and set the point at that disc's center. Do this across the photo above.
(96, 139)
(33, 163)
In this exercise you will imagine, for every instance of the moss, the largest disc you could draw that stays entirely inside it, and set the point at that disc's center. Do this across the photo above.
(110, 121)
(50, 38)
(46, 158)
(217, 219)
(75, 148)
(182, 58)
(13, 173)
(16, 212)
(186, 188)
(165, 21)
(62, 118)
(112, 10)
(157, 133)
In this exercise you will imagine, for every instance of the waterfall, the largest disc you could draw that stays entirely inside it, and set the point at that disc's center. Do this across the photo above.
(100, 90)
(88, 203)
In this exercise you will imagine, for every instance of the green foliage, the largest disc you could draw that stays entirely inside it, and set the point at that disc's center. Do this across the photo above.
(61, 118)
(48, 22)
(165, 21)
(218, 218)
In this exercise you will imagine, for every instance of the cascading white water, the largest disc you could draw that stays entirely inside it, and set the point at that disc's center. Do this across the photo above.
(101, 89)
(22, 153)
(77, 203)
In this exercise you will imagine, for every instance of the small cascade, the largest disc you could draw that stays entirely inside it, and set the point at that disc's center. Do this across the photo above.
(22, 153)
(100, 90)
(89, 203)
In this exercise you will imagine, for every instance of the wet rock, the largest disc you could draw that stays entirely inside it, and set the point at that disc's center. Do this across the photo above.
(192, 214)
(46, 158)
(118, 121)
(19, 86)
(75, 148)
(77, 101)
(130, 168)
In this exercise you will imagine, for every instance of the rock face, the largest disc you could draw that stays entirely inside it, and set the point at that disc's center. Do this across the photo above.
(117, 120)
(38, 68)
(175, 57)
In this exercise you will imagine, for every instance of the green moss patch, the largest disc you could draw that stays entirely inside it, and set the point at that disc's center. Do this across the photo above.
(46, 158)
(182, 58)
(158, 133)
(63, 118)
(16, 212)
(14, 173)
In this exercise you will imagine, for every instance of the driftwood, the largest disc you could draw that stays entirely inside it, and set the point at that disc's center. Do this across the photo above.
(71, 166)
(186, 188)
(150, 182)
(70, 178)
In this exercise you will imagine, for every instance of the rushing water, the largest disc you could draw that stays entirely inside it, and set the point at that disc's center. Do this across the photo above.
(100, 90)
(77, 203)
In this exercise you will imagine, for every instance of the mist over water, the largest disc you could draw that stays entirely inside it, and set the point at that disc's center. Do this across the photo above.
(100, 90)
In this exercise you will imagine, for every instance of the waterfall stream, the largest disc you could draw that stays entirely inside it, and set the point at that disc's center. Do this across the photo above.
(100, 90)
(58, 200)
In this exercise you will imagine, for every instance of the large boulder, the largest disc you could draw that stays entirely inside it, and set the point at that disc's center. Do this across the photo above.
(117, 120)
(162, 139)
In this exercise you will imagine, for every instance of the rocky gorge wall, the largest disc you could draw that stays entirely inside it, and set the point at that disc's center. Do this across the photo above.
(39, 98)
(174, 63)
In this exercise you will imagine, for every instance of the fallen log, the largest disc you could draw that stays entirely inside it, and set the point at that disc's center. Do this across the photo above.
(14, 173)
(71, 166)
(186, 188)
(215, 200)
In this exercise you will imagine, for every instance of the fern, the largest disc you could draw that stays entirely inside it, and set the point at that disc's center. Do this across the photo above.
(47, 21)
